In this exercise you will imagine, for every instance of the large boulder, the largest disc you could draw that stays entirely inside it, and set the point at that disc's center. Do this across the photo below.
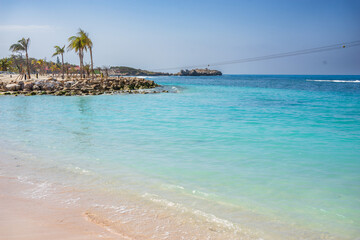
(49, 86)
(68, 84)
(12, 87)
(36, 87)
(21, 83)
(28, 86)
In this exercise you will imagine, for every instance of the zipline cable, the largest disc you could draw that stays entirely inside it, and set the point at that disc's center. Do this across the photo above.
(273, 56)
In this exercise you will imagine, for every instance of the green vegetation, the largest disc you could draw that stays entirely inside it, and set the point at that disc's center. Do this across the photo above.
(88, 45)
(60, 51)
(78, 46)
(16, 63)
(5, 64)
(133, 71)
(80, 43)
(22, 46)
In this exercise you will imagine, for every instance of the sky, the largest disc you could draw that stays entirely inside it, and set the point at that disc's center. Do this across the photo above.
(170, 34)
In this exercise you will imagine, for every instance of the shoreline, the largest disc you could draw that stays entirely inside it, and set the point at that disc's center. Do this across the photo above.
(115, 215)
(37, 219)
(76, 213)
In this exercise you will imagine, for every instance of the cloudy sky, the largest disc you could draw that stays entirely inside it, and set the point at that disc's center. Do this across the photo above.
(165, 34)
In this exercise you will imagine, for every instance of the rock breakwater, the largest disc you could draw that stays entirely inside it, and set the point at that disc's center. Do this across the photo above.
(73, 87)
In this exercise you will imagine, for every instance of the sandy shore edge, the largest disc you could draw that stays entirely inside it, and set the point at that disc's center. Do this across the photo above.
(30, 219)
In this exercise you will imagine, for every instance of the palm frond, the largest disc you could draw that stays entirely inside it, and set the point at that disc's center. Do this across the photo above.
(21, 46)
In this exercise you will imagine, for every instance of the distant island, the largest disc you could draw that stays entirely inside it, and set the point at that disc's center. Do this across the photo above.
(199, 72)
(128, 71)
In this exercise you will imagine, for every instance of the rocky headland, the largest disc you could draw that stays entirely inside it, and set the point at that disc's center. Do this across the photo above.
(199, 72)
(128, 71)
(74, 87)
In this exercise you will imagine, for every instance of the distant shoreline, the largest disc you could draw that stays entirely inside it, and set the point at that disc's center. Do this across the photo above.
(127, 71)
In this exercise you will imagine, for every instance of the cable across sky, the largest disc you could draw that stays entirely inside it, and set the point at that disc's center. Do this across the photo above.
(272, 56)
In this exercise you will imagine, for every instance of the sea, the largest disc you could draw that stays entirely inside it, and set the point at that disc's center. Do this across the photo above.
(214, 157)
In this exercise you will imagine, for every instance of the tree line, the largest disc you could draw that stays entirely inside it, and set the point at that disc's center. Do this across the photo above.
(80, 43)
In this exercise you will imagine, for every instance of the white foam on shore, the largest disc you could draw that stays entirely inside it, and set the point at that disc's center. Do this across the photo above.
(78, 170)
(209, 217)
(337, 81)
(41, 190)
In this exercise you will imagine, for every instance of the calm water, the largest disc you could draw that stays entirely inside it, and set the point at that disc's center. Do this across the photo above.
(283, 149)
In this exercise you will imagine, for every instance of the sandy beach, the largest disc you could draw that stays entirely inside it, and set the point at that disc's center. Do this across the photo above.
(16, 77)
(30, 219)
(49, 209)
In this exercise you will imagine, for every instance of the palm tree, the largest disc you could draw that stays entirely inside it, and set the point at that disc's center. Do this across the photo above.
(88, 44)
(60, 51)
(22, 46)
(77, 44)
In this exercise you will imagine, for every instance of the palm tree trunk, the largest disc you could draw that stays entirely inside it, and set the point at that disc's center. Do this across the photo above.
(27, 64)
(82, 63)
(62, 58)
(80, 66)
(92, 65)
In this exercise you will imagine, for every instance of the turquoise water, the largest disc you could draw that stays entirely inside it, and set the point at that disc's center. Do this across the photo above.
(283, 148)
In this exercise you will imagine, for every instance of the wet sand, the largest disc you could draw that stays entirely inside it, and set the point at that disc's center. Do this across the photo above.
(37, 219)
(34, 205)
(43, 210)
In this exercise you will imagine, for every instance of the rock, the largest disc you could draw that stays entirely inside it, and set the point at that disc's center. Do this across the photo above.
(28, 86)
(13, 87)
(80, 86)
(68, 84)
(199, 72)
(49, 86)
(21, 83)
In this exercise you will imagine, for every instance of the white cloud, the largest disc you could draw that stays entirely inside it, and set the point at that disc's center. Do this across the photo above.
(28, 28)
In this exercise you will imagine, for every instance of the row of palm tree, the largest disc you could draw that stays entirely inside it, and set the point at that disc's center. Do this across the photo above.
(79, 43)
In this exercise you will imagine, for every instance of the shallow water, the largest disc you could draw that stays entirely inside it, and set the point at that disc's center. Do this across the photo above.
(279, 155)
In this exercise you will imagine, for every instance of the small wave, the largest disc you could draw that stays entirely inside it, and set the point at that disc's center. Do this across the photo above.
(78, 170)
(24, 179)
(337, 81)
(197, 193)
(118, 209)
(40, 191)
(200, 193)
(171, 186)
(209, 217)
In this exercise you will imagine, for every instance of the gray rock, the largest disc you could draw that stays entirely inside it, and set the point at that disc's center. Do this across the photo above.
(12, 87)
(28, 86)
